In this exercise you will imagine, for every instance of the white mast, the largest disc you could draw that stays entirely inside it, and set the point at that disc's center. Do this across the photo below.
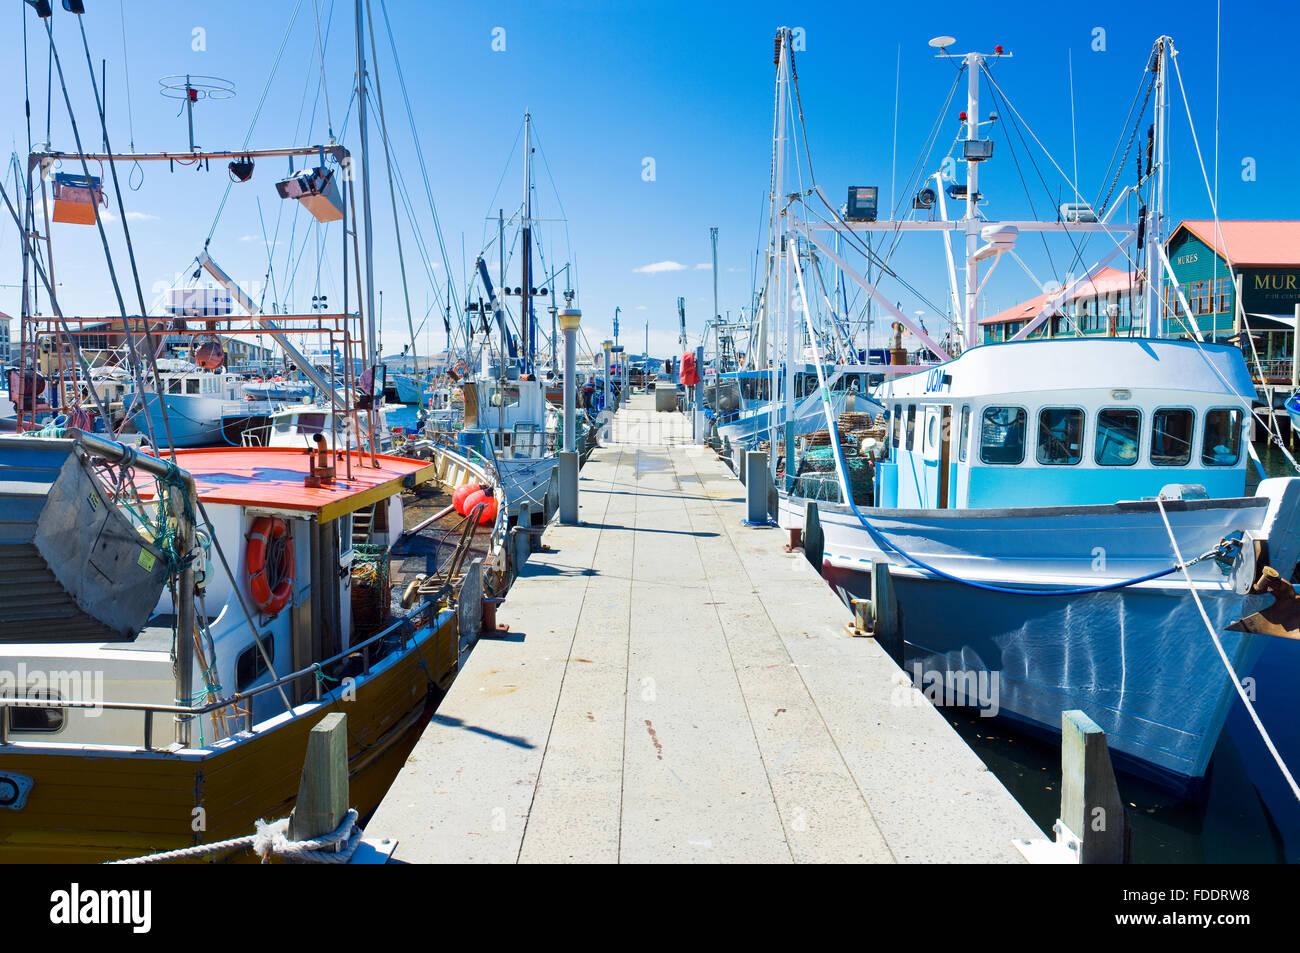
(1155, 220)
(974, 63)
(371, 329)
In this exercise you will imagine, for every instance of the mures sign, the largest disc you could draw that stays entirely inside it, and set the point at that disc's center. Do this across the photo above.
(1270, 291)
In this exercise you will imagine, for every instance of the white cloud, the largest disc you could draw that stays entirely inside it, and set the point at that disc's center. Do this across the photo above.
(659, 266)
(640, 307)
(140, 217)
(703, 266)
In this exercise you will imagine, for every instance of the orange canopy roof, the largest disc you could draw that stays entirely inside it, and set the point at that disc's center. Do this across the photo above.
(272, 478)
(1251, 244)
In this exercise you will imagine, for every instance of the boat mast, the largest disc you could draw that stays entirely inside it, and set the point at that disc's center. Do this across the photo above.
(1155, 211)
(526, 318)
(371, 330)
(974, 64)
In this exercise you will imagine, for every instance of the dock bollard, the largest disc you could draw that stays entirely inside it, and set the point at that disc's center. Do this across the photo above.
(569, 488)
(756, 488)
(1093, 826)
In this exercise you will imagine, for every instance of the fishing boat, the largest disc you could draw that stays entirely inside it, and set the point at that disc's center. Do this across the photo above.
(194, 399)
(280, 561)
(219, 601)
(1064, 515)
(507, 420)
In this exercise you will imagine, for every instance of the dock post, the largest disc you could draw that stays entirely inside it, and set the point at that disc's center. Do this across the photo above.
(1091, 808)
(570, 318)
(756, 488)
(569, 488)
(813, 541)
(740, 467)
(884, 610)
(323, 791)
(701, 422)
(469, 610)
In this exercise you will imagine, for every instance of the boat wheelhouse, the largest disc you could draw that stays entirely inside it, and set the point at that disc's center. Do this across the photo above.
(1102, 420)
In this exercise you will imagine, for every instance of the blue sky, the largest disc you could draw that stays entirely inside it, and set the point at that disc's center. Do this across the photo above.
(610, 85)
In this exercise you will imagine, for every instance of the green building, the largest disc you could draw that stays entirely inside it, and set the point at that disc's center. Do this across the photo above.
(1265, 258)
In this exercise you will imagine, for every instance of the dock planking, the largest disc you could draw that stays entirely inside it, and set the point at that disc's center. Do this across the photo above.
(676, 688)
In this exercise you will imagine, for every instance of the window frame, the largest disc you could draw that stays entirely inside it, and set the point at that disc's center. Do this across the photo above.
(963, 433)
(1083, 435)
(1241, 419)
(1137, 457)
(1191, 444)
(47, 695)
(1024, 441)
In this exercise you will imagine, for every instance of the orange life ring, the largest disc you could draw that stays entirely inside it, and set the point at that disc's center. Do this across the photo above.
(268, 601)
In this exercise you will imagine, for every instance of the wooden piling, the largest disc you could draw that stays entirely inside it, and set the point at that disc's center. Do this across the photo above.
(1090, 804)
(323, 791)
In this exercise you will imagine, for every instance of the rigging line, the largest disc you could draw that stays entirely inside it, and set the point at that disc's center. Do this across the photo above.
(54, 304)
(1029, 198)
(126, 66)
(1218, 234)
(1223, 656)
(320, 48)
(419, 153)
(126, 232)
(930, 139)
(275, 65)
(99, 222)
(392, 192)
(1147, 81)
(1014, 112)
(483, 241)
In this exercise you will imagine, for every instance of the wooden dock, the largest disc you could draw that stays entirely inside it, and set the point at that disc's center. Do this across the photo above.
(676, 688)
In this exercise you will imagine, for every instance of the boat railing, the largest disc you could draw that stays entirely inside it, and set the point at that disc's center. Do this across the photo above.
(409, 622)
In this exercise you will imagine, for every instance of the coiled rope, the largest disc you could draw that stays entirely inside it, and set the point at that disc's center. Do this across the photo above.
(272, 839)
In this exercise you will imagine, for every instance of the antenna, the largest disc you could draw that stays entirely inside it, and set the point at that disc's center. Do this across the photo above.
(942, 42)
(191, 89)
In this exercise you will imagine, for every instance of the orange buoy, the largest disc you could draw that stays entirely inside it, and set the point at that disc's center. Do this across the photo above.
(269, 599)
(460, 494)
(489, 512)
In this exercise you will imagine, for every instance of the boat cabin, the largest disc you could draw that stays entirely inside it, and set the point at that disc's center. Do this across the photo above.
(1065, 423)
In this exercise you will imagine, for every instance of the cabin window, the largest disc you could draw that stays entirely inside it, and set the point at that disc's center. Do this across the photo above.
(1002, 435)
(911, 427)
(174, 385)
(1060, 436)
(1171, 437)
(965, 433)
(191, 385)
(47, 720)
(898, 425)
(311, 423)
(1222, 446)
(1117, 437)
(932, 429)
(250, 665)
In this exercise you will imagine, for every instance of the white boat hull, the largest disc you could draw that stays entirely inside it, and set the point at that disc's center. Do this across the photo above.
(1137, 660)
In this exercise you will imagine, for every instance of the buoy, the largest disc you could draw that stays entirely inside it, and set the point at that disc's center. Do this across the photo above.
(269, 599)
(489, 512)
(460, 494)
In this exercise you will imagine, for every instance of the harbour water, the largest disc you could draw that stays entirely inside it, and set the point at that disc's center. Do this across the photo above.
(1243, 813)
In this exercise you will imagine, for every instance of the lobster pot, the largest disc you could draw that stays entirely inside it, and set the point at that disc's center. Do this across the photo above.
(76, 198)
(372, 588)
(317, 191)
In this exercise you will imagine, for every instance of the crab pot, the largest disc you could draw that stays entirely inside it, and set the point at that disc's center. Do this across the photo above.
(317, 191)
(76, 198)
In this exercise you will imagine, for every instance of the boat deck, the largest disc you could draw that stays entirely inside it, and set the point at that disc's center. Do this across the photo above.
(675, 687)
